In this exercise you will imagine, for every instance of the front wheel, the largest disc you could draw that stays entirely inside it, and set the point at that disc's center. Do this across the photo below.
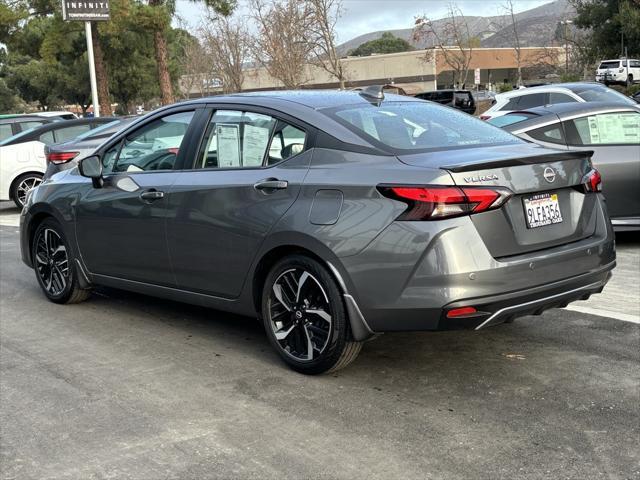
(23, 185)
(305, 318)
(53, 263)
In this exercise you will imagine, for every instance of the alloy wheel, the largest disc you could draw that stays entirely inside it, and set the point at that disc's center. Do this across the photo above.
(300, 314)
(26, 185)
(52, 262)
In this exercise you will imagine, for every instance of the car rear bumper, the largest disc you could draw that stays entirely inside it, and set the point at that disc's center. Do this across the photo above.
(628, 224)
(414, 272)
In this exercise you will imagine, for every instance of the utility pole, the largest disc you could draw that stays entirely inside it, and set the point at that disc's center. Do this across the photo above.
(92, 70)
(566, 23)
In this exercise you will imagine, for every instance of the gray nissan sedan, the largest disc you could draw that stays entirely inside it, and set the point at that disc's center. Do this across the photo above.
(331, 216)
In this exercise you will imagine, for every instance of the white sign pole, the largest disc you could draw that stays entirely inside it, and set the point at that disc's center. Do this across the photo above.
(92, 70)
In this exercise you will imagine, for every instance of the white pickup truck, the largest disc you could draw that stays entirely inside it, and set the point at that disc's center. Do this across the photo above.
(625, 71)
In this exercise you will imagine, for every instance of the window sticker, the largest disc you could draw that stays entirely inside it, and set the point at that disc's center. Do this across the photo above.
(614, 128)
(255, 140)
(228, 145)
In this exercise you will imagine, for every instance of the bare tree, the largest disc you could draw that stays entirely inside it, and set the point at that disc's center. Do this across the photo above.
(323, 24)
(228, 46)
(196, 69)
(452, 38)
(507, 7)
(284, 44)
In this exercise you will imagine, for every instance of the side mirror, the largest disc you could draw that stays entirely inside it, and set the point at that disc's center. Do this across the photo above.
(91, 167)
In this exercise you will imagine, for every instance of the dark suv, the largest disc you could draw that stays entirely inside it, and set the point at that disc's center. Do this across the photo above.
(460, 99)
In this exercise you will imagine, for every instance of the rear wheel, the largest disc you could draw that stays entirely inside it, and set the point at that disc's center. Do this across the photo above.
(22, 185)
(305, 318)
(53, 264)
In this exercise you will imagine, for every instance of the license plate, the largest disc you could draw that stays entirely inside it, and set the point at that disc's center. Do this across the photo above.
(542, 209)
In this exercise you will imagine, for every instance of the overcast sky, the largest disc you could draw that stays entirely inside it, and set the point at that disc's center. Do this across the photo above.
(363, 16)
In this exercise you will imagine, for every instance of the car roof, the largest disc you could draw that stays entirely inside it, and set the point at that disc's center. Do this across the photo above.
(314, 99)
(556, 87)
(564, 111)
(29, 135)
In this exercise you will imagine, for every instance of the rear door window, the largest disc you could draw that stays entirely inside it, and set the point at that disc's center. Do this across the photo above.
(555, 98)
(531, 101)
(621, 128)
(69, 133)
(30, 124)
(5, 131)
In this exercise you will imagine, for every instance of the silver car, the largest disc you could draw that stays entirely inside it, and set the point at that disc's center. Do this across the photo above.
(331, 216)
(611, 132)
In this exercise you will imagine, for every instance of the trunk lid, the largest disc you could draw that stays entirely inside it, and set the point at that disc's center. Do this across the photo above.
(536, 176)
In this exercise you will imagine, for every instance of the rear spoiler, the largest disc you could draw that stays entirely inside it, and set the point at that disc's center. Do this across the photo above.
(517, 161)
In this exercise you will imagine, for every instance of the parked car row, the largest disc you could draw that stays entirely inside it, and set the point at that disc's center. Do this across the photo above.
(13, 124)
(22, 156)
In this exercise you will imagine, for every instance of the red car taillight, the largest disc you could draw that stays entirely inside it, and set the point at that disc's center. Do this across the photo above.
(485, 117)
(61, 157)
(436, 202)
(592, 181)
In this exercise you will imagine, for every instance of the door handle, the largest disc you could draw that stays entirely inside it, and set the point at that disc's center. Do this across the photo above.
(151, 195)
(269, 185)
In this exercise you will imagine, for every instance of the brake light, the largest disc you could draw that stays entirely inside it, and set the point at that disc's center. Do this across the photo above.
(58, 158)
(485, 117)
(461, 312)
(592, 181)
(436, 201)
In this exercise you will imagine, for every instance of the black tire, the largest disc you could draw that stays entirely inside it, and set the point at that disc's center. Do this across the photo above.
(54, 265)
(22, 185)
(315, 321)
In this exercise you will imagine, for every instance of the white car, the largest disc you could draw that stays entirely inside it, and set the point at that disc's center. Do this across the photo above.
(625, 71)
(21, 169)
(22, 156)
(526, 98)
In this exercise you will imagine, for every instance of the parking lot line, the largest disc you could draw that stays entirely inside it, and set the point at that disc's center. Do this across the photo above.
(625, 317)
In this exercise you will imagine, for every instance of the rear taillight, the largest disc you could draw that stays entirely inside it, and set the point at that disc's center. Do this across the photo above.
(61, 157)
(592, 181)
(485, 117)
(435, 202)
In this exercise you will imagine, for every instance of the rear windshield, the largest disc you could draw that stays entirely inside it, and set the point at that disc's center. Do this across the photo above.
(510, 119)
(415, 126)
(615, 64)
(603, 94)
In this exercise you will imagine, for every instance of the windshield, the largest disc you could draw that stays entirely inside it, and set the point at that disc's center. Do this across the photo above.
(18, 136)
(415, 126)
(603, 94)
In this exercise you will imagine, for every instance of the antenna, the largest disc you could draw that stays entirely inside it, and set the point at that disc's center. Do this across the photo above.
(373, 92)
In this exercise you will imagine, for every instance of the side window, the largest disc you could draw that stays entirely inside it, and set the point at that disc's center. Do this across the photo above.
(5, 131)
(109, 158)
(69, 133)
(634, 64)
(555, 98)
(531, 100)
(287, 142)
(604, 129)
(31, 124)
(236, 139)
(550, 133)
(154, 146)
(512, 104)
(47, 138)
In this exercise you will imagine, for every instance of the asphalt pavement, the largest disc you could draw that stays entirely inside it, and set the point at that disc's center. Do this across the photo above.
(126, 386)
